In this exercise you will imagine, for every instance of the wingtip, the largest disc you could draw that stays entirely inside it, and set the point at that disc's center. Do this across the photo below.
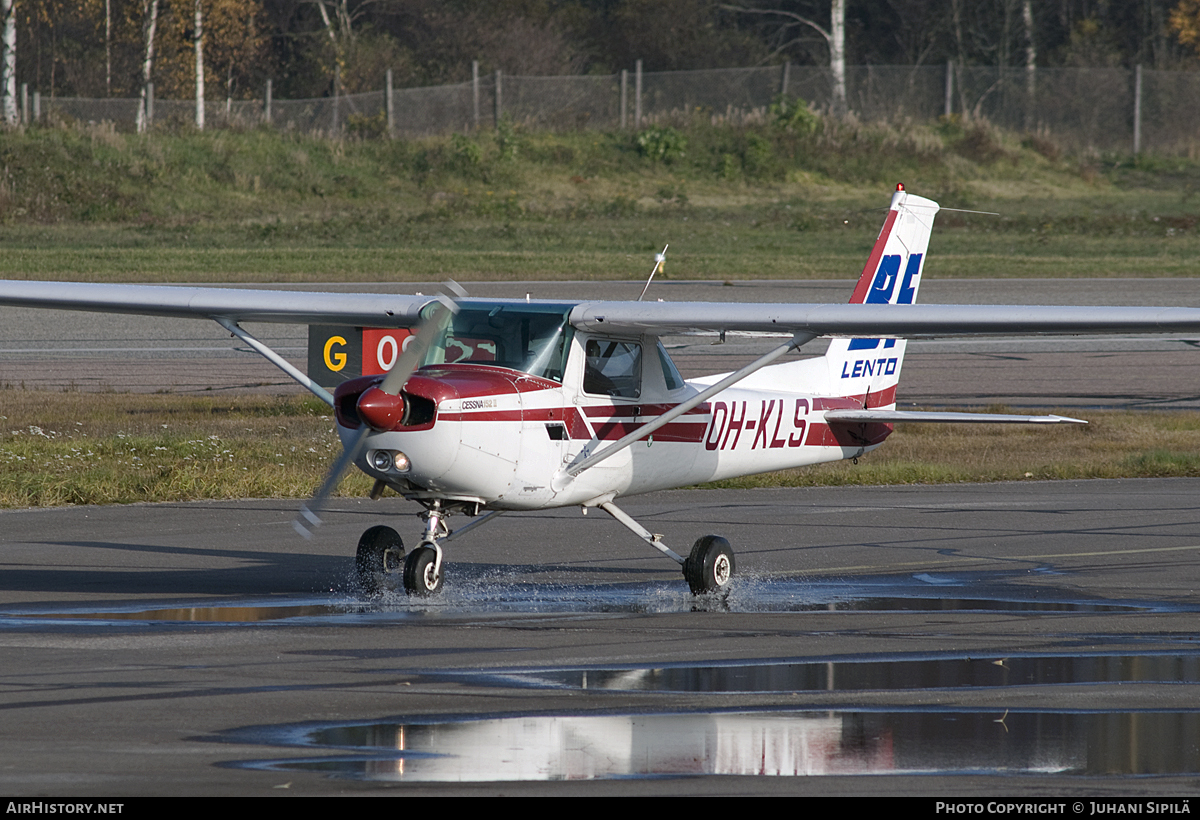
(1067, 420)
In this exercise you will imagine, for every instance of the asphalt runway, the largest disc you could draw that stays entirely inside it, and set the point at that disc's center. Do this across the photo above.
(1032, 639)
(60, 350)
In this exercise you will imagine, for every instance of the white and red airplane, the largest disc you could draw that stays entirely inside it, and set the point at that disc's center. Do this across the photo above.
(500, 405)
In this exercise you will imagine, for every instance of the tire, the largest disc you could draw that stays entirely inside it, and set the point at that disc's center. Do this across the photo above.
(380, 556)
(711, 565)
(418, 573)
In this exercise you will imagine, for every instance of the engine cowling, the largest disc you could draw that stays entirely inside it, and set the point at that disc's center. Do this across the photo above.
(458, 426)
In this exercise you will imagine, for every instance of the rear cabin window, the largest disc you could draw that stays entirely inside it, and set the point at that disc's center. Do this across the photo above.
(613, 368)
(670, 373)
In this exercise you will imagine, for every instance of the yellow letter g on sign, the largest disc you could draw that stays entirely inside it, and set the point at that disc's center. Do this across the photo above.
(335, 361)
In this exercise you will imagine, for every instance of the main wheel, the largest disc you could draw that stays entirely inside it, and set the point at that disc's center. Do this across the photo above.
(710, 567)
(420, 577)
(380, 554)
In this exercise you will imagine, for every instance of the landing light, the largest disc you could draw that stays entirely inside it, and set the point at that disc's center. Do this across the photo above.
(388, 461)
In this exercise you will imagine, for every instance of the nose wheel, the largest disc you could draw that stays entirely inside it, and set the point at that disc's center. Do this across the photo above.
(423, 572)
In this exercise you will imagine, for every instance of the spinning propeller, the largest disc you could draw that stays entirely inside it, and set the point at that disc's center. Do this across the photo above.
(381, 408)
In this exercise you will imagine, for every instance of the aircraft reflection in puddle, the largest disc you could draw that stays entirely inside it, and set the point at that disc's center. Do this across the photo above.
(534, 747)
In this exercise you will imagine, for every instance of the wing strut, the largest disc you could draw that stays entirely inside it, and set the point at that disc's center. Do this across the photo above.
(562, 478)
(275, 359)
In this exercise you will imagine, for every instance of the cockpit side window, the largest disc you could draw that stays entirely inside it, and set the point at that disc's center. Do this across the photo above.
(613, 368)
(533, 339)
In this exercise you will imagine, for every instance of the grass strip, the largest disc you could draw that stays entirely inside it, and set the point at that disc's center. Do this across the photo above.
(89, 448)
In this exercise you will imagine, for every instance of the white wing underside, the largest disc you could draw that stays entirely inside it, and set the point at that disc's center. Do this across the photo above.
(233, 304)
(620, 318)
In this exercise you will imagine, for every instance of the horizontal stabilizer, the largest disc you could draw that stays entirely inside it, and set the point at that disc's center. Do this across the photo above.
(889, 416)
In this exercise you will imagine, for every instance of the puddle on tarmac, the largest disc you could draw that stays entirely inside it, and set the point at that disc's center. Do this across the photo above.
(488, 595)
(787, 743)
(890, 674)
(772, 742)
(248, 613)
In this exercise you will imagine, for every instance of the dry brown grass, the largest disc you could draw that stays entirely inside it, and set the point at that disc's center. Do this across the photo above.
(102, 448)
(97, 448)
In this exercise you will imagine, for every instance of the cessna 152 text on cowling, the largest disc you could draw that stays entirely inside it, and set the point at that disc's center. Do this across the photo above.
(498, 405)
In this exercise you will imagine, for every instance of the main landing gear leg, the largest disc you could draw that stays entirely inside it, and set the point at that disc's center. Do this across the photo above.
(710, 566)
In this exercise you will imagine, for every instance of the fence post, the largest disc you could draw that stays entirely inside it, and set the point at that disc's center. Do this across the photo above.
(475, 93)
(949, 107)
(391, 109)
(498, 107)
(637, 95)
(149, 105)
(1137, 109)
(24, 103)
(267, 104)
(783, 80)
(37, 106)
(624, 97)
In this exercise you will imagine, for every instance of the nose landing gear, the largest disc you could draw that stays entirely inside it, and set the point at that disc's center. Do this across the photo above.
(423, 568)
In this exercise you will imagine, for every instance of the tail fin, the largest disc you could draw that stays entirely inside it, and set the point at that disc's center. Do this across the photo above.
(870, 368)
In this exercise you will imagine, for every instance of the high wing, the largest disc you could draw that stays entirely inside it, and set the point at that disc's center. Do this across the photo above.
(228, 307)
(873, 320)
(635, 318)
(231, 304)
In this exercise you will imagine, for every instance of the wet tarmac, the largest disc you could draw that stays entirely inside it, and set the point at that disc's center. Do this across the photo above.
(1037, 639)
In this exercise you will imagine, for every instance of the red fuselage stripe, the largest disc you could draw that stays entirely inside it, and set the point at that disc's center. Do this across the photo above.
(611, 422)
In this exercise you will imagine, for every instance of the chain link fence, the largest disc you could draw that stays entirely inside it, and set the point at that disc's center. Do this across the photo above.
(1085, 109)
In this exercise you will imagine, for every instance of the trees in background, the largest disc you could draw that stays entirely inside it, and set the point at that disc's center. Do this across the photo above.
(8, 61)
(149, 30)
(98, 48)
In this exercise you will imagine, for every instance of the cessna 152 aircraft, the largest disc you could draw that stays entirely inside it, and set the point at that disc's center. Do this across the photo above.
(500, 405)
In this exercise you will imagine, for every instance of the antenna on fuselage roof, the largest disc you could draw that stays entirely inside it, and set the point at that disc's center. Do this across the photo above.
(659, 258)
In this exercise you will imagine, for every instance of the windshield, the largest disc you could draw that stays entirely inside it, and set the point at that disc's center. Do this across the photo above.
(531, 338)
